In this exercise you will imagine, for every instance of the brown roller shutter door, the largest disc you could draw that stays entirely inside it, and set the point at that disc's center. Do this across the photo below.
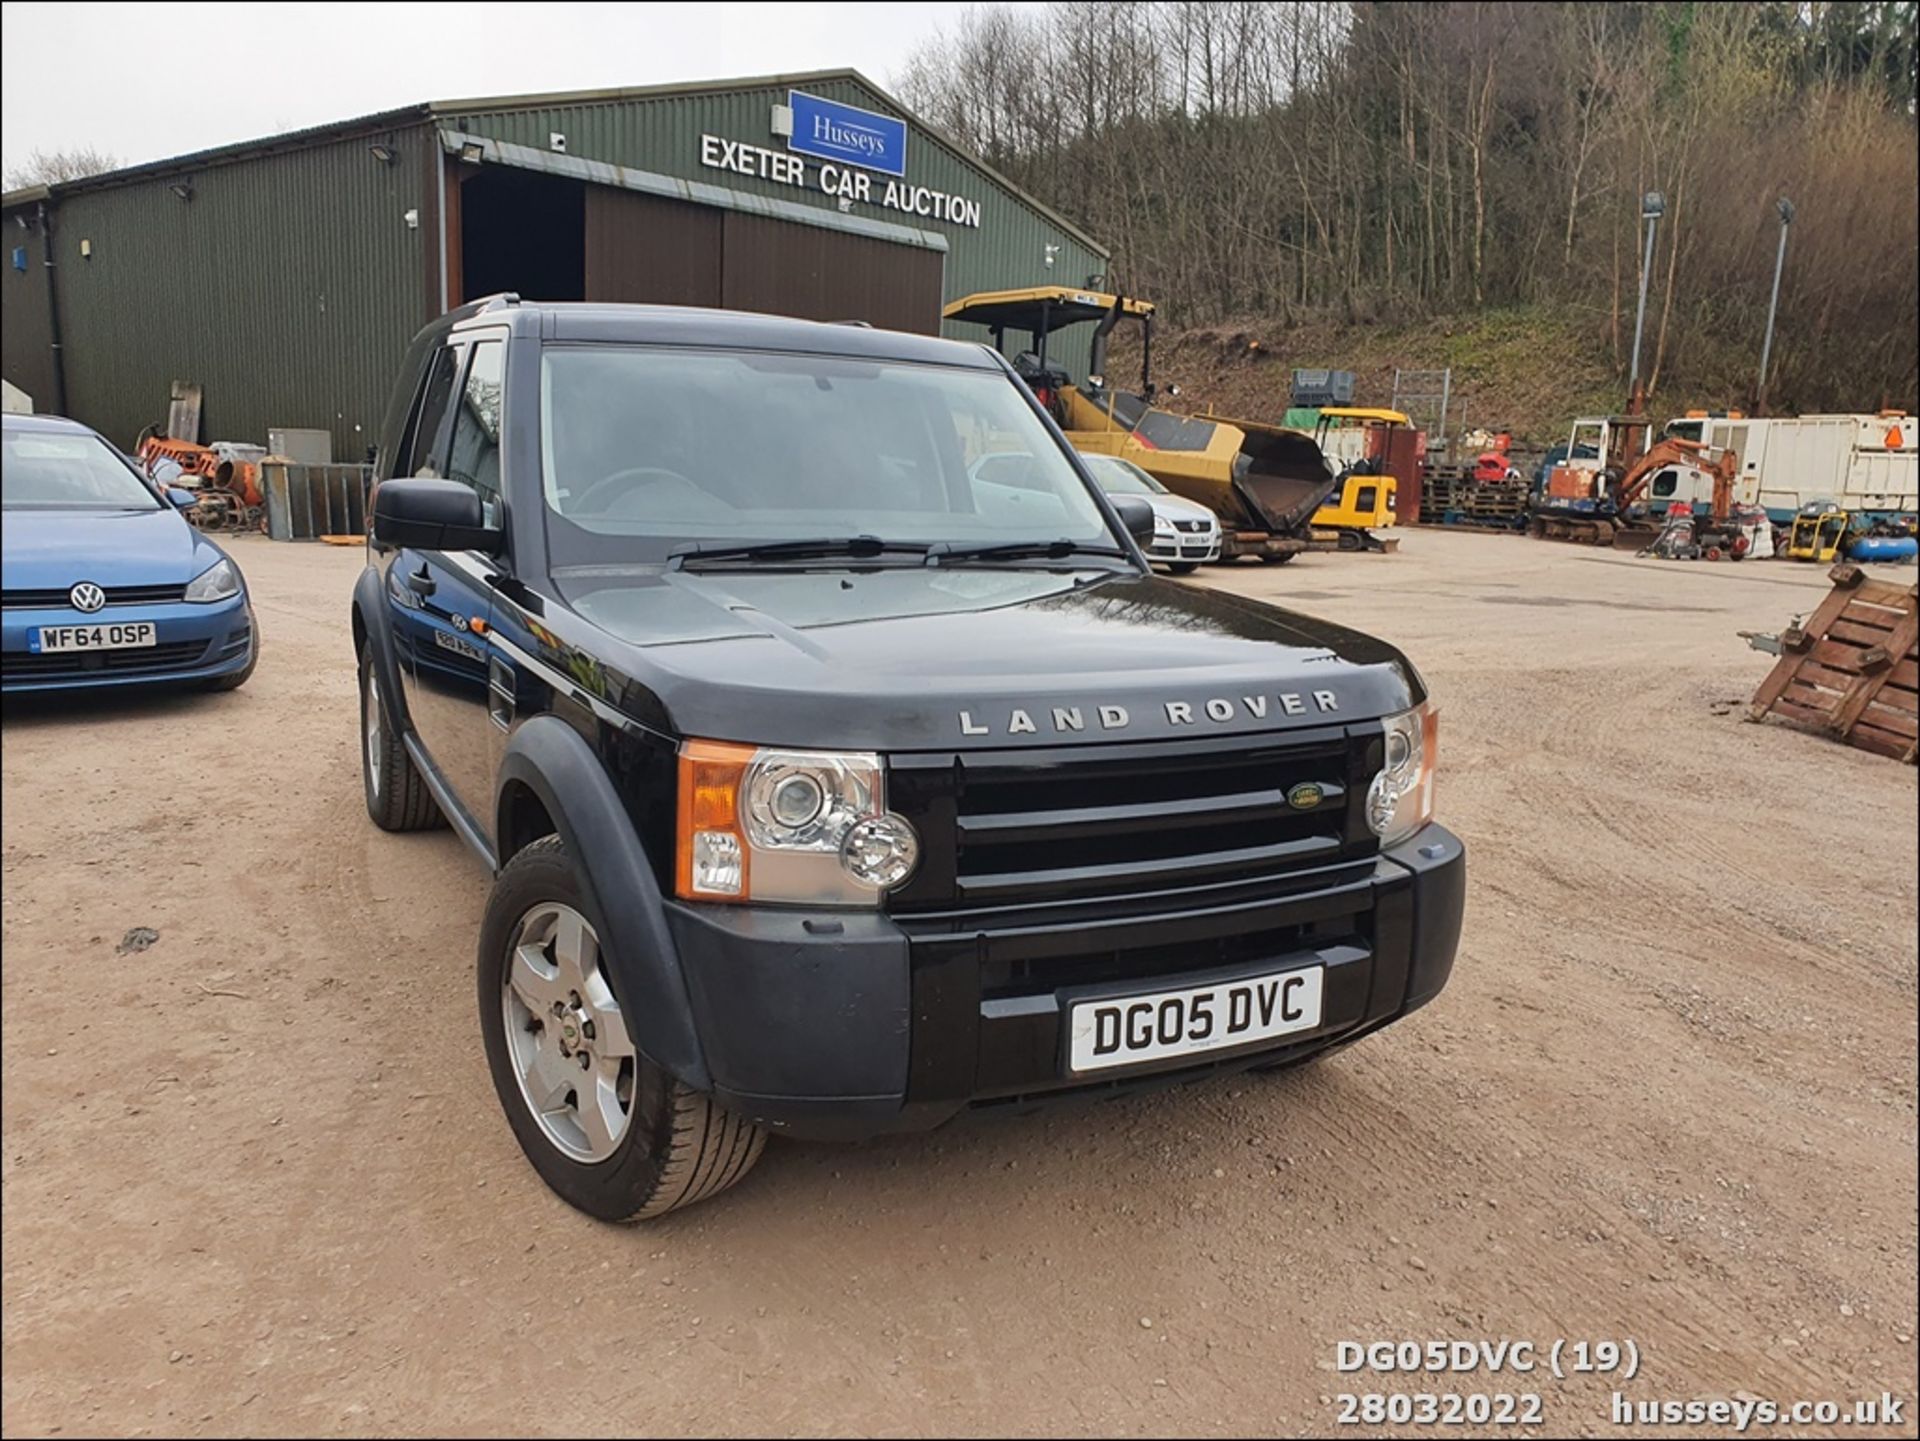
(648, 249)
(818, 274)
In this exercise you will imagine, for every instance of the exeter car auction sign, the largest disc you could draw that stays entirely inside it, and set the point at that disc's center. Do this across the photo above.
(847, 143)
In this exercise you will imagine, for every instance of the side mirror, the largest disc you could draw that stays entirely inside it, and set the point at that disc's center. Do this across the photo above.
(1136, 514)
(422, 514)
(181, 498)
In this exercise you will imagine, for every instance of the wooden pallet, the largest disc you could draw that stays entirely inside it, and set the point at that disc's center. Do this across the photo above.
(1852, 669)
(1496, 500)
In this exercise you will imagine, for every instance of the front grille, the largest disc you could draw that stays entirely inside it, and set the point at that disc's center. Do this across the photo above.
(62, 665)
(1066, 824)
(116, 595)
(1192, 527)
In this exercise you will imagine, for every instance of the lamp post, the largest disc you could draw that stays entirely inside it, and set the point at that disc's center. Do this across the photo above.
(1785, 207)
(1652, 206)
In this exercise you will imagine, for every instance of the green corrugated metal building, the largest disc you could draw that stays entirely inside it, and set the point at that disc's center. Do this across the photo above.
(285, 276)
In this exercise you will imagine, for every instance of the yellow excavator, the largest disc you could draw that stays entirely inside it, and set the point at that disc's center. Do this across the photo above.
(1367, 448)
(1264, 481)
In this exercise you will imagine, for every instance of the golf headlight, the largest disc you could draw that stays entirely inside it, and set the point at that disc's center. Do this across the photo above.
(220, 581)
(796, 827)
(1400, 799)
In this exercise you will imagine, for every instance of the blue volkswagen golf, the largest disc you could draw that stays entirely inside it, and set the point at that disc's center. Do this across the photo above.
(103, 583)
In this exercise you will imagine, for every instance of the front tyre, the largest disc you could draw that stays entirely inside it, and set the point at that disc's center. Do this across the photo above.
(607, 1129)
(1183, 567)
(397, 794)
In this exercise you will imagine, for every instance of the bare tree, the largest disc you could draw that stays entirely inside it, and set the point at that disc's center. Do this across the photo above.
(1365, 160)
(51, 167)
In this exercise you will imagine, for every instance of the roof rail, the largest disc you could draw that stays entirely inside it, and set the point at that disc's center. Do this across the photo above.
(500, 301)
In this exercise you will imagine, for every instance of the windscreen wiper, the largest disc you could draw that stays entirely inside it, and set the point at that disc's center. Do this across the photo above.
(1024, 550)
(857, 547)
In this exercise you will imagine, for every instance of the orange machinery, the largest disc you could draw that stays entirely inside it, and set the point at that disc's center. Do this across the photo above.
(228, 490)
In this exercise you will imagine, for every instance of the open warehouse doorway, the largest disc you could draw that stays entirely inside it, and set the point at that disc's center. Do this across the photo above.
(521, 231)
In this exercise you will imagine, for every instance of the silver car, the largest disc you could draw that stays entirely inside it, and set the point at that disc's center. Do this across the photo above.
(1186, 535)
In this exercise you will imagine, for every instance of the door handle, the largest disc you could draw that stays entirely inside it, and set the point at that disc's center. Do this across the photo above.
(420, 582)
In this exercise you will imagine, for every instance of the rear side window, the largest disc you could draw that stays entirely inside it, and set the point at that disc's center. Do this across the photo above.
(418, 455)
(474, 456)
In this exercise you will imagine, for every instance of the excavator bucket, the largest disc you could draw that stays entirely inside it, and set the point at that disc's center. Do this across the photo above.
(1285, 478)
(1254, 476)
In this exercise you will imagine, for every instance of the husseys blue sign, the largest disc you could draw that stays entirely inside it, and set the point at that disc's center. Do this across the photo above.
(829, 130)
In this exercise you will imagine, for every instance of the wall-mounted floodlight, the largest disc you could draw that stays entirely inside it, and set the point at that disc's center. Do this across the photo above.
(1052, 251)
(382, 153)
(182, 189)
(473, 152)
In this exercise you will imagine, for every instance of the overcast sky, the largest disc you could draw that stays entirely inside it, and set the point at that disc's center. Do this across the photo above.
(148, 81)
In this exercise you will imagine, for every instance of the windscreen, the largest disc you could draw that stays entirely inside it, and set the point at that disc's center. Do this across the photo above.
(645, 449)
(1119, 477)
(46, 470)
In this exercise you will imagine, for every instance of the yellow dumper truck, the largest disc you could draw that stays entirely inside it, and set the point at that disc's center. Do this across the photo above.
(1264, 481)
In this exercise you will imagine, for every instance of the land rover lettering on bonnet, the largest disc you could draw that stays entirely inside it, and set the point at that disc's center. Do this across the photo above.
(841, 763)
(1217, 709)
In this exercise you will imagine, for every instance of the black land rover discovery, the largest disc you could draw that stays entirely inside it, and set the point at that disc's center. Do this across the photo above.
(832, 787)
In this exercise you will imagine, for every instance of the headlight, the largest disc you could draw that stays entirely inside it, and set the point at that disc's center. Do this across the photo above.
(1400, 800)
(220, 581)
(1162, 526)
(800, 827)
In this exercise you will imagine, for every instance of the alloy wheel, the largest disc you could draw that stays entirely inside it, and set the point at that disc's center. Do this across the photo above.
(376, 734)
(566, 1036)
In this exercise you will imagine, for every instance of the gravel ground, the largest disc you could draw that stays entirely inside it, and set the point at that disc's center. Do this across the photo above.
(255, 1179)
